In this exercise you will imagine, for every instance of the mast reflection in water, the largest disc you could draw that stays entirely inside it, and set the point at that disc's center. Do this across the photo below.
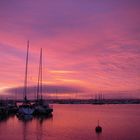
(76, 122)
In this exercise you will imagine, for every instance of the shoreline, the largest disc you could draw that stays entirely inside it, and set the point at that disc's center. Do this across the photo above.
(80, 101)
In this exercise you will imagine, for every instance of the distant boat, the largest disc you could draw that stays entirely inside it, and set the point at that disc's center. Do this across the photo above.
(41, 106)
(3, 108)
(99, 100)
(26, 108)
(7, 107)
(11, 107)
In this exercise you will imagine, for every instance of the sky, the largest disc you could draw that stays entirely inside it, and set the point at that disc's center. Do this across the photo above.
(88, 45)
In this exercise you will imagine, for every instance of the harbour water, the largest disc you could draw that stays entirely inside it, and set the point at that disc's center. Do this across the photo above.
(77, 122)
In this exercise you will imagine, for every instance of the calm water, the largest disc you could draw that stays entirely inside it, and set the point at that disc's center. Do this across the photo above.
(77, 122)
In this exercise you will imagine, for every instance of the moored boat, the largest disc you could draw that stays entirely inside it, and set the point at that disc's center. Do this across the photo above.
(41, 106)
(12, 107)
(26, 107)
(3, 108)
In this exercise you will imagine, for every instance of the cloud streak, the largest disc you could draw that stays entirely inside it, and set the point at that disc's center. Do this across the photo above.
(88, 43)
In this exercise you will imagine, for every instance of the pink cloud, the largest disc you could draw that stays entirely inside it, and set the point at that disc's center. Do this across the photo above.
(97, 41)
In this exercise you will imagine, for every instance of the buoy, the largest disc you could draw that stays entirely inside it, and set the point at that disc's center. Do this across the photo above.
(98, 128)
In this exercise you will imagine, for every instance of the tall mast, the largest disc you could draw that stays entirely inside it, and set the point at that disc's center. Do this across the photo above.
(26, 72)
(41, 73)
(39, 85)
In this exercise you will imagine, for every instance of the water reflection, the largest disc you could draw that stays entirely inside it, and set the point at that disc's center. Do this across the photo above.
(39, 120)
(99, 136)
(39, 129)
(3, 118)
(25, 118)
(31, 127)
(25, 130)
(75, 122)
(42, 118)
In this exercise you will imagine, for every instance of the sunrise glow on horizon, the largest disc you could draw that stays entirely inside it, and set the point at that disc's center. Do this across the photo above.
(90, 45)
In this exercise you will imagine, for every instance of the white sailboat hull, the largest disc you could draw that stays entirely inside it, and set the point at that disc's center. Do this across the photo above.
(26, 111)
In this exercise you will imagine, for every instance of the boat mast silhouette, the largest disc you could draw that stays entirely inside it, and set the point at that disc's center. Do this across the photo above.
(26, 72)
(39, 85)
(41, 106)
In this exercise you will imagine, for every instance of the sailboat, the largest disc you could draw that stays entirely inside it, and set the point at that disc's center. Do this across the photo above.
(41, 106)
(26, 107)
